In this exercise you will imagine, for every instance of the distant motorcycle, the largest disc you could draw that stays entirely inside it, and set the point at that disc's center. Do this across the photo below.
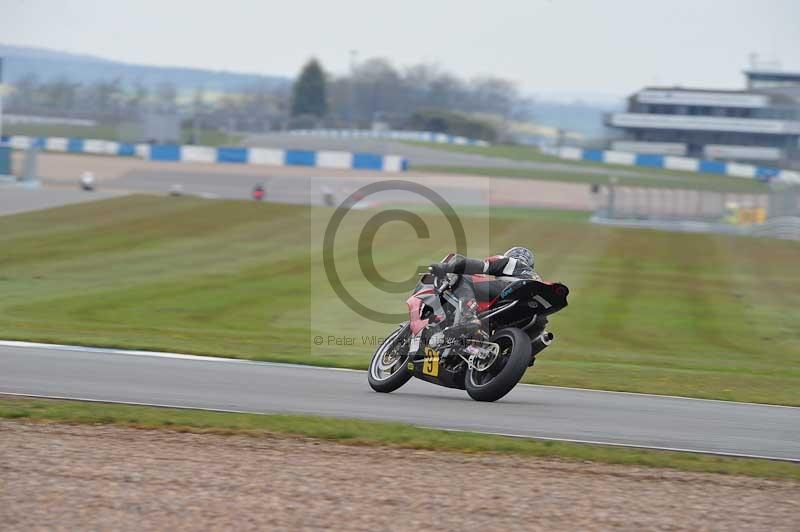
(87, 181)
(259, 192)
(487, 366)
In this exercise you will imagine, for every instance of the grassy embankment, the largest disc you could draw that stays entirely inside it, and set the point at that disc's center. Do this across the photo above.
(648, 177)
(206, 137)
(687, 314)
(358, 432)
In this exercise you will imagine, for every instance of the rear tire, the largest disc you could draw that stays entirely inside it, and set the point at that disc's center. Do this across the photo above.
(386, 381)
(501, 377)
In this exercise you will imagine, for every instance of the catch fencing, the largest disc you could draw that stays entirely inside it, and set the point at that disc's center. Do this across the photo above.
(774, 214)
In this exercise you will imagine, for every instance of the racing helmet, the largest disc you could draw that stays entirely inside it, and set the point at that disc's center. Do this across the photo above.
(523, 255)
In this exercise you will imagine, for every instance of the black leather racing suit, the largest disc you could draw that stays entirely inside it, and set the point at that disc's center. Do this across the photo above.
(470, 290)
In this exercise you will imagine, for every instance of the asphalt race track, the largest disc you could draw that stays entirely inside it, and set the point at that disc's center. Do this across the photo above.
(528, 411)
(14, 200)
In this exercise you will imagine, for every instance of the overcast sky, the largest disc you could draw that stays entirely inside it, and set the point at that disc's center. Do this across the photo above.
(548, 46)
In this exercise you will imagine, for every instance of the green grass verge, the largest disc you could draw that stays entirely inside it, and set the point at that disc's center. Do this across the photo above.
(699, 315)
(100, 131)
(205, 137)
(505, 151)
(717, 183)
(359, 432)
(652, 177)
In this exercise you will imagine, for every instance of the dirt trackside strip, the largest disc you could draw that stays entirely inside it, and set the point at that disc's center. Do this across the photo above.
(109, 477)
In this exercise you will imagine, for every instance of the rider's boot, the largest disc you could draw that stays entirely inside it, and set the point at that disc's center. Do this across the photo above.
(455, 333)
(462, 330)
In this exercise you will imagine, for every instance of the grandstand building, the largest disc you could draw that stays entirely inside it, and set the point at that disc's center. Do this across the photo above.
(759, 124)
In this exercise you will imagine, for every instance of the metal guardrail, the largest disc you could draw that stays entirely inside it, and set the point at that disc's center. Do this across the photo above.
(785, 227)
(772, 215)
(418, 136)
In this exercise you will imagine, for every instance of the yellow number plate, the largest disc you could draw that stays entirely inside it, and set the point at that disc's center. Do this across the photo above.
(431, 364)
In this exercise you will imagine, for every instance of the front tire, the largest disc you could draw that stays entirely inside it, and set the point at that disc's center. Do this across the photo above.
(387, 369)
(501, 377)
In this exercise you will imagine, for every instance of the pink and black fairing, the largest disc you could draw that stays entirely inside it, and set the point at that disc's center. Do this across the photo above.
(424, 308)
(530, 298)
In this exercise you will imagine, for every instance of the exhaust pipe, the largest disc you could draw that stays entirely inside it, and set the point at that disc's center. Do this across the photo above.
(539, 343)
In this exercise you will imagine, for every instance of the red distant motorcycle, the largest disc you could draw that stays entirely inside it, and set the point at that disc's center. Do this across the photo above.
(259, 192)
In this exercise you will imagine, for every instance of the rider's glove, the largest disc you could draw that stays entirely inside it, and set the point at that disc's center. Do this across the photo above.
(438, 269)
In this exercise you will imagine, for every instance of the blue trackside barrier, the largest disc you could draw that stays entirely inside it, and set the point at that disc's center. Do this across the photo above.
(165, 152)
(232, 155)
(75, 145)
(684, 164)
(126, 150)
(653, 161)
(5, 159)
(592, 155)
(209, 154)
(300, 158)
(367, 161)
(713, 167)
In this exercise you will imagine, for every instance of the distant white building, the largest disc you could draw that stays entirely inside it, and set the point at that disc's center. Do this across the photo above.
(760, 124)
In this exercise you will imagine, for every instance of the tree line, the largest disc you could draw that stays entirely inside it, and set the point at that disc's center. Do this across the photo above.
(421, 96)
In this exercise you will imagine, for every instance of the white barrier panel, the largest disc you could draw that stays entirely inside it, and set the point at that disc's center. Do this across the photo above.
(198, 154)
(659, 148)
(266, 156)
(94, 146)
(335, 159)
(618, 157)
(393, 163)
(741, 170)
(111, 147)
(143, 151)
(681, 163)
(56, 144)
(18, 142)
(789, 176)
(720, 151)
(568, 152)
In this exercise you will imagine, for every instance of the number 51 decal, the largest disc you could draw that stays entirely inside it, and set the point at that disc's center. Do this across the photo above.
(431, 363)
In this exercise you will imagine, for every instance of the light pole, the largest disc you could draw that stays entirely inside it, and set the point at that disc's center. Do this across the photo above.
(1, 96)
(351, 96)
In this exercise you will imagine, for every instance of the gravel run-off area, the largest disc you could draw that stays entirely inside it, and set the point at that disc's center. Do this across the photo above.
(73, 477)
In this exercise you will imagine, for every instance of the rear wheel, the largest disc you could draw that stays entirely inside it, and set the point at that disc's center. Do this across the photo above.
(500, 378)
(387, 369)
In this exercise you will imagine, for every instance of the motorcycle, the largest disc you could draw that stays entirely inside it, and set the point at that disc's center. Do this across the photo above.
(488, 364)
(259, 192)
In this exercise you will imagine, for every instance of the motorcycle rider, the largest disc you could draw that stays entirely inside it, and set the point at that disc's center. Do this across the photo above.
(516, 263)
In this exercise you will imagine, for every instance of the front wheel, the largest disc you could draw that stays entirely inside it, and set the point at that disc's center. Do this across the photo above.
(387, 369)
(500, 378)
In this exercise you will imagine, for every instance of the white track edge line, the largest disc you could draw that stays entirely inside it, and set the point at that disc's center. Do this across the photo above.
(627, 445)
(163, 354)
(507, 435)
(181, 356)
